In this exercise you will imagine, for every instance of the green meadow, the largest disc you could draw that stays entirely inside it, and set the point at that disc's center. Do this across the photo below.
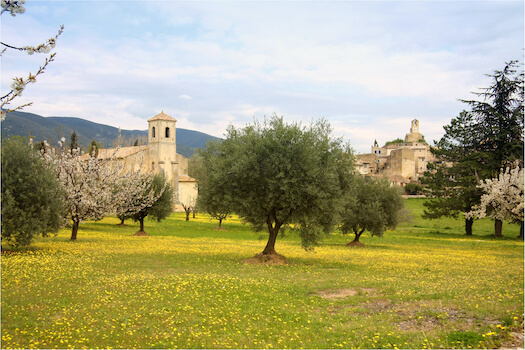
(186, 285)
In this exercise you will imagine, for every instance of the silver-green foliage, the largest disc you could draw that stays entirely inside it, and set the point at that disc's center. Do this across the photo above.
(215, 196)
(275, 174)
(32, 199)
(371, 205)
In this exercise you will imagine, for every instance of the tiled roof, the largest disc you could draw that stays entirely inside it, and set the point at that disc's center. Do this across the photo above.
(398, 178)
(185, 178)
(392, 178)
(122, 152)
(162, 116)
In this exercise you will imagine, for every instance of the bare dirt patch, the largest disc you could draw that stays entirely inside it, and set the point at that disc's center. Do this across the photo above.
(427, 315)
(346, 292)
(140, 233)
(377, 306)
(515, 341)
(369, 291)
(336, 294)
(267, 259)
(413, 325)
(355, 244)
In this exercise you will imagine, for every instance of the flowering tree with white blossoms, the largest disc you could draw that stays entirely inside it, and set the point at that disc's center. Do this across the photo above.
(97, 187)
(88, 182)
(134, 192)
(502, 198)
(15, 7)
(163, 205)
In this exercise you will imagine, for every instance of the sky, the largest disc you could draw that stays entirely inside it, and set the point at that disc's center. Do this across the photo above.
(367, 67)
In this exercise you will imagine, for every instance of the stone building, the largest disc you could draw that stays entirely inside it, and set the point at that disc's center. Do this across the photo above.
(402, 162)
(160, 155)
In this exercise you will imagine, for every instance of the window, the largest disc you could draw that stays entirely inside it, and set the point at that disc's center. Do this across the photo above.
(167, 132)
(153, 132)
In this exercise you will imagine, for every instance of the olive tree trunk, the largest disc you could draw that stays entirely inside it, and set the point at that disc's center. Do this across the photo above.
(273, 231)
(358, 235)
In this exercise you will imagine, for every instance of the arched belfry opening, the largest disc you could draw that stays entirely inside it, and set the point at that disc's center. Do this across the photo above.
(153, 132)
(167, 133)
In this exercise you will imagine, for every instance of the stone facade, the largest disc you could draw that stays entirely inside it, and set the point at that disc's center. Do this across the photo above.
(401, 162)
(160, 155)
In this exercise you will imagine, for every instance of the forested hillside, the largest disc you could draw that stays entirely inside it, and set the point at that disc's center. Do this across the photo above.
(53, 128)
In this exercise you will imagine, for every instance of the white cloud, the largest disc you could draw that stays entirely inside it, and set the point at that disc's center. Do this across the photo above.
(364, 66)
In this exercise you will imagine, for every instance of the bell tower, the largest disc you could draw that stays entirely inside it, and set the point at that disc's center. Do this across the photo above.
(414, 135)
(163, 147)
(414, 129)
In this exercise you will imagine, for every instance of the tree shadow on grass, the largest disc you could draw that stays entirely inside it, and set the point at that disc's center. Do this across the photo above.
(366, 245)
(461, 237)
(107, 227)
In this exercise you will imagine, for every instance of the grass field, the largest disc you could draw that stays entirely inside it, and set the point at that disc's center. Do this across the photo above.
(424, 285)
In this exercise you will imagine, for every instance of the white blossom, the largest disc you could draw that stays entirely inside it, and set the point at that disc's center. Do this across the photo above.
(19, 84)
(134, 192)
(89, 184)
(13, 6)
(97, 187)
(503, 197)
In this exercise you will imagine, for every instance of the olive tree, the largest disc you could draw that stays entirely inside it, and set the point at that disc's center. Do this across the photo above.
(372, 205)
(274, 174)
(32, 199)
(214, 196)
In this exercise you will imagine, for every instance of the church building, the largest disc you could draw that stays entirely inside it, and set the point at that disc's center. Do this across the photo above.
(160, 155)
(402, 162)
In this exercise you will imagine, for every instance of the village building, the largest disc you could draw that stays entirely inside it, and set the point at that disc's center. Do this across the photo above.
(401, 162)
(160, 155)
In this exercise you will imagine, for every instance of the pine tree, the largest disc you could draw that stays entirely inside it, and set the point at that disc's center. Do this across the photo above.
(476, 145)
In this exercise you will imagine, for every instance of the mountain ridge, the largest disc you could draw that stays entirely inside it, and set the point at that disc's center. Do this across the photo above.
(53, 128)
